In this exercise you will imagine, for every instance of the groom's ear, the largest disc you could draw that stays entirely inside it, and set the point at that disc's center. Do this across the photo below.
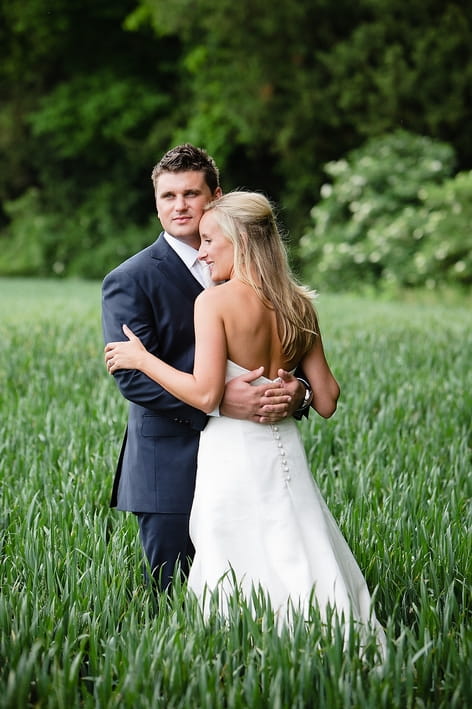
(217, 193)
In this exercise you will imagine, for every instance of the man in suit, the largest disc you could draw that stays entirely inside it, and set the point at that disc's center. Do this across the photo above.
(153, 293)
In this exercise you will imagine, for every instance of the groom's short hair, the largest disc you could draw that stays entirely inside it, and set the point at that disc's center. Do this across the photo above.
(188, 157)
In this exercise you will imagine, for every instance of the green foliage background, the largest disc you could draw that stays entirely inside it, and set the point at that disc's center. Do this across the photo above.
(93, 91)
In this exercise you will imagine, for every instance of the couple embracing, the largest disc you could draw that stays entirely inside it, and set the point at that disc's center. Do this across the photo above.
(212, 463)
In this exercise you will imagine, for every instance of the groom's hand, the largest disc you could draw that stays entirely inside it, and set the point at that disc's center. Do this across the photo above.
(263, 403)
(272, 412)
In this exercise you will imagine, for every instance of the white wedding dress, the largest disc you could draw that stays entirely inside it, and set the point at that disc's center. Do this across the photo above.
(258, 512)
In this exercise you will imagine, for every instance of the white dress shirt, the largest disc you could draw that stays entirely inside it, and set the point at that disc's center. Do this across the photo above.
(189, 256)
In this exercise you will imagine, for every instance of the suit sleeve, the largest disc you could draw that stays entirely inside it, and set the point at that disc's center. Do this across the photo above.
(124, 301)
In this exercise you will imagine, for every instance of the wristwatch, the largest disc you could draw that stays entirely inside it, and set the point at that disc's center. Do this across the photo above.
(308, 398)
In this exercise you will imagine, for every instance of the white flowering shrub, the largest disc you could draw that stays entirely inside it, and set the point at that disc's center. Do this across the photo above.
(391, 214)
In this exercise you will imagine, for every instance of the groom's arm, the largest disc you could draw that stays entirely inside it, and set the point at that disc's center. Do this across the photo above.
(123, 301)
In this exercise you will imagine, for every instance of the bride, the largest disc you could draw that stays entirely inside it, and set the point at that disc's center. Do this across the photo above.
(258, 517)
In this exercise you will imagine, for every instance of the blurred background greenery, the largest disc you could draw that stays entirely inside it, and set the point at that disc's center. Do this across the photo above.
(353, 117)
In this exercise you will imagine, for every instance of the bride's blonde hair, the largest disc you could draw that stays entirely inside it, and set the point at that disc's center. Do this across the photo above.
(260, 260)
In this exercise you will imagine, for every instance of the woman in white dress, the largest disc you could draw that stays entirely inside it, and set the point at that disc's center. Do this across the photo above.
(258, 518)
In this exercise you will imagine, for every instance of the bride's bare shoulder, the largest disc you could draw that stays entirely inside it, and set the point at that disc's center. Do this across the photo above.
(228, 290)
(222, 293)
(231, 300)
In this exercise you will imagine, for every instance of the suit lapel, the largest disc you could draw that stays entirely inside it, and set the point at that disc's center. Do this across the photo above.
(172, 268)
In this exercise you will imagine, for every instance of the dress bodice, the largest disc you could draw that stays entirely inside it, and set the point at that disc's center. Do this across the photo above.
(235, 370)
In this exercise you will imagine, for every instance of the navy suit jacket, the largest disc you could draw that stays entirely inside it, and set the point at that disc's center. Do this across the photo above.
(153, 293)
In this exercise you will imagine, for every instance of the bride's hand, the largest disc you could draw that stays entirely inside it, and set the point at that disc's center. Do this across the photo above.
(124, 355)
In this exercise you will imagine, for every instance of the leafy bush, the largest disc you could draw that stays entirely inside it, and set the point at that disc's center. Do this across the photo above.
(442, 228)
(392, 215)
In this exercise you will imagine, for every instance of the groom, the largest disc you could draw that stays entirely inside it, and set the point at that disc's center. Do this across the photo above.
(153, 293)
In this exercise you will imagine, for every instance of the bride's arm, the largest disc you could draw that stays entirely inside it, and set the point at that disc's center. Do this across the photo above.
(325, 387)
(204, 388)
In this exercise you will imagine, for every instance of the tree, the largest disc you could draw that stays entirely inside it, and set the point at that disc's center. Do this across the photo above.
(299, 84)
(87, 109)
(94, 91)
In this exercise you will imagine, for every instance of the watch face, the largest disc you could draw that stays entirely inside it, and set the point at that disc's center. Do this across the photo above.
(308, 397)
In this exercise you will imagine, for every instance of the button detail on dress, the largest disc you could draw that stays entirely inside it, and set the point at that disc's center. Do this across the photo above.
(282, 453)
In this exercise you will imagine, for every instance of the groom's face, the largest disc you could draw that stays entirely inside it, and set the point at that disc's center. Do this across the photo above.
(180, 200)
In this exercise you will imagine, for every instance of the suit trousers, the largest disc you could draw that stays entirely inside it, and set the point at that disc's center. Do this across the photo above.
(166, 542)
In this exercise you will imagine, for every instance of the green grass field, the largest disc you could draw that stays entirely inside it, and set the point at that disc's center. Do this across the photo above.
(79, 629)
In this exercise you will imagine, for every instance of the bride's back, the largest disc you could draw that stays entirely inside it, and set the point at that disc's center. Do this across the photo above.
(251, 330)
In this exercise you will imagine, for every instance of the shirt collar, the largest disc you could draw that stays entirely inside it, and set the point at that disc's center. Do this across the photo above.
(187, 253)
